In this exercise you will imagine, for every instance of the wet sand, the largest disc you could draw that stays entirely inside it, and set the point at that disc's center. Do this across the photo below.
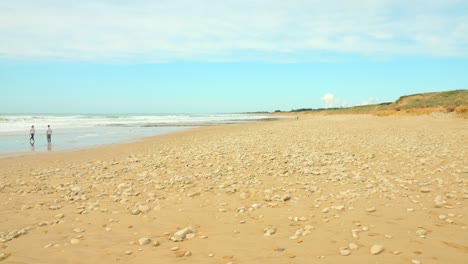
(321, 189)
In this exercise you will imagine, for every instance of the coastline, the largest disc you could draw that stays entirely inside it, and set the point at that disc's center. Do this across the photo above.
(63, 141)
(326, 175)
(83, 131)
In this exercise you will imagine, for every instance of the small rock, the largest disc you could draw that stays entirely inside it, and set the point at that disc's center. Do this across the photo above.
(187, 253)
(26, 207)
(297, 234)
(41, 224)
(353, 246)
(144, 241)
(269, 231)
(414, 261)
(345, 252)
(75, 241)
(182, 234)
(174, 248)
(439, 201)
(421, 233)
(371, 210)
(128, 252)
(376, 249)
(78, 230)
(256, 206)
(194, 194)
(339, 207)
(59, 216)
(4, 256)
(135, 211)
(425, 190)
(143, 208)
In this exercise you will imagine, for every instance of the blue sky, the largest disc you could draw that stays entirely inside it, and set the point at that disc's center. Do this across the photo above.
(163, 56)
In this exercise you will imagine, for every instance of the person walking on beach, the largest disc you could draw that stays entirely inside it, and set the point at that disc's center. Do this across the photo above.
(32, 131)
(49, 134)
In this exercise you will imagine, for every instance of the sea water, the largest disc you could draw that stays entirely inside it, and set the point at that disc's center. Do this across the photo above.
(80, 131)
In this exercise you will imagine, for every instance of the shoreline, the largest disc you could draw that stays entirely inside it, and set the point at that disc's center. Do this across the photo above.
(79, 138)
(69, 148)
(246, 190)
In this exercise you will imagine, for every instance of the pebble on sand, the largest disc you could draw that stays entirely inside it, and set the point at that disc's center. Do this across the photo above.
(182, 234)
(4, 256)
(376, 249)
(425, 190)
(269, 231)
(345, 252)
(353, 246)
(144, 241)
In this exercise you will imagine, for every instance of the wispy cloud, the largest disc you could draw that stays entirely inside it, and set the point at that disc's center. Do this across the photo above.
(211, 30)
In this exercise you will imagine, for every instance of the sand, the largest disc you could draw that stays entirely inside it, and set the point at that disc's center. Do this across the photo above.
(321, 189)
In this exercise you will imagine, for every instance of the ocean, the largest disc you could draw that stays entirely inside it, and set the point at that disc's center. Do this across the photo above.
(74, 131)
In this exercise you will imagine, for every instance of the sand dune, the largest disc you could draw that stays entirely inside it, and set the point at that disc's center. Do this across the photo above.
(321, 189)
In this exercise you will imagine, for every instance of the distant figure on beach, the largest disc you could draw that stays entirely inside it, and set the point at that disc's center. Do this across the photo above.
(49, 134)
(32, 131)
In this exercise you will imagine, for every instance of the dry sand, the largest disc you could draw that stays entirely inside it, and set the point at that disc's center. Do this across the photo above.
(321, 189)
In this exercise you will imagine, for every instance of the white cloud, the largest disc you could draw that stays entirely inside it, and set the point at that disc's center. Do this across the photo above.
(329, 100)
(371, 100)
(230, 30)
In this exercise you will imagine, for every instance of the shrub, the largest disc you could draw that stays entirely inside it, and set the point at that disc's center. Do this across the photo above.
(450, 109)
(462, 111)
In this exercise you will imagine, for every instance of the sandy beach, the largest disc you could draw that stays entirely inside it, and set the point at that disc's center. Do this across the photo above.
(321, 189)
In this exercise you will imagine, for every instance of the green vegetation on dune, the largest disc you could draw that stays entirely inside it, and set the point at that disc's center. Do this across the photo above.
(448, 100)
(441, 99)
